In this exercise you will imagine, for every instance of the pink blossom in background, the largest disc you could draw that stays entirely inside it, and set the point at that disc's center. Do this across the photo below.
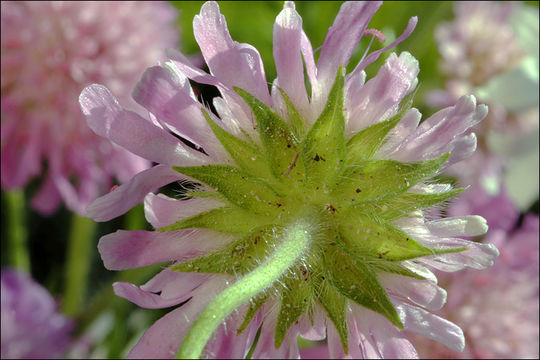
(31, 326)
(500, 318)
(490, 50)
(50, 52)
(166, 93)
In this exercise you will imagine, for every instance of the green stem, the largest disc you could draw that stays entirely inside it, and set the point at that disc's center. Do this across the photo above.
(17, 234)
(79, 258)
(295, 242)
(105, 297)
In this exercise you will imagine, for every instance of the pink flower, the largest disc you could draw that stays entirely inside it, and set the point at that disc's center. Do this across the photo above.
(31, 326)
(506, 294)
(490, 50)
(50, 51)
(344, 171)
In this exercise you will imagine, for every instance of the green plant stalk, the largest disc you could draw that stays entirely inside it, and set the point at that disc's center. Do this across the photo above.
(79, 258)
(17, 234)
(295, 242)
(105, 297)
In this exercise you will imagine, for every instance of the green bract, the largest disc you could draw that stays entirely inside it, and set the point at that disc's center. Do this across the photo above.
(351, 196)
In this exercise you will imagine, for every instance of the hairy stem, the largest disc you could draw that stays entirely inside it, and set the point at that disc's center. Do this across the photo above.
(296, 239)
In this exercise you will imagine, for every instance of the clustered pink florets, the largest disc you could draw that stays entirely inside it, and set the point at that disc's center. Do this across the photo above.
(50, 51)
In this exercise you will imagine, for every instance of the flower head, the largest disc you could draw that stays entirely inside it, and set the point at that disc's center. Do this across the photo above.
(31, 327)
(50, 51)
(309, 205)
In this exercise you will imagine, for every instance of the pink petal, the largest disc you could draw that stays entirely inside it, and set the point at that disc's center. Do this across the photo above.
(469, 225)
(403, 129)
(309, 60)
(47, 199)
(127, 129)
(461, 149)
(421, 322)
(433, 136)
(335, 349)
(315, 332)
(375, 54)
(420, 270)
(126, 196)
(380, 97)
(163, 338)
(20, 163)
(315, 352)
(422, 292)
(287, 55)
(343, 37)
(226, 344)
(479, 256)
(379, 338)
(168, 96)
(265, 347)
(161, 210)
(131, 249)
(182, 287)
(233, 63)
(238, 111)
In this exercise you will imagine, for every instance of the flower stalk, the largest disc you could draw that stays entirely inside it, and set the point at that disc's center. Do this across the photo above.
(17, 234)
(78, 263)
(296, 241)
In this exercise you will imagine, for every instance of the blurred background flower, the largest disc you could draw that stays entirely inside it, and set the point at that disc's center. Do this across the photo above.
(50, 51)
(31, 326)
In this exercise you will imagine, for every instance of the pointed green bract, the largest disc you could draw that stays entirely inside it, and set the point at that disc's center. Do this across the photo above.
(279, 143)
(383, 179)
(246, 156)
(224, 219)
(359, 282)
(297, 125)
(296, 297)
(365, 143)
(254, 306)
(405, 204)
(394, 268)
(323, 149)
(334, 304)
(239, 187)
(364, 236)
(238, 258)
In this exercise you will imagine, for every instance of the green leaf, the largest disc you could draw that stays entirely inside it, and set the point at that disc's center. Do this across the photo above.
(377, 180)
(254, 306)
(224, 219)
(295, 119)
(334, 305)
(279, 143)
(247, 157)
(357, 281)
(367, 237)
(239, 258)
(237, 186)
(406, 203)
(365, 143)
(296, 296)
(323, 149)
